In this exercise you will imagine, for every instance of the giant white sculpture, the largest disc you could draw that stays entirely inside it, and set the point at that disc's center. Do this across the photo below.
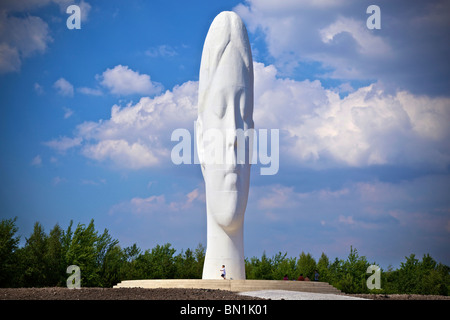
(225, 107)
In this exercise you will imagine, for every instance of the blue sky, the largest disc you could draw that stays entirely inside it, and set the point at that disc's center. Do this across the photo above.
(87, 116)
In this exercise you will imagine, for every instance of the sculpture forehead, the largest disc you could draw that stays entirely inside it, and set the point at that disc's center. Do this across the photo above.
(227, 19)
(226, 65)
(227, 31)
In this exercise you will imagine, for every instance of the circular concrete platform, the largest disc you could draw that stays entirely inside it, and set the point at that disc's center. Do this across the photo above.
(233, 285)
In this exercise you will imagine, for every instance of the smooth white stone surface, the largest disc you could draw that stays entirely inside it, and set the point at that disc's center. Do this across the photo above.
(225, 105)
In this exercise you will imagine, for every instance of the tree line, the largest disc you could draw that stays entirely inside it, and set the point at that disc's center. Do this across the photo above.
(44, 258)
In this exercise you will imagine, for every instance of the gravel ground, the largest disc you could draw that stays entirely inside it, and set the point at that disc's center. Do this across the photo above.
(57, 293)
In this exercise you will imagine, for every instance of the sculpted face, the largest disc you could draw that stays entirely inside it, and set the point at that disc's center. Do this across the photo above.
(225, 116)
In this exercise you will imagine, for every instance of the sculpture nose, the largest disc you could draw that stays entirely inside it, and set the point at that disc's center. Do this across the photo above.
(231, 136)
(231, 147)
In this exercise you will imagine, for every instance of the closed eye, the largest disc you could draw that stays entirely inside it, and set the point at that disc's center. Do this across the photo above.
(220, 110)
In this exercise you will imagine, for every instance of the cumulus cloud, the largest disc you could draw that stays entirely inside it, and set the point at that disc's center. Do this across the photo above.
(406, 53)
(367, 43)
(123, 81)
(27, 5)
(138, 135)
(367, 127)
(133, 156)
(21, 37)
(24, 35)
(9, 58)
(318, 128)
(159, 204)
(64, 143)
(64, 87)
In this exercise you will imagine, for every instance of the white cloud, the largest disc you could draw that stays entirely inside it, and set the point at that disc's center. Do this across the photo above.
(38, 88)
(90, 91)
(37, 161)
(138, 136)
(21, 38)
(123, 81)
(279, 197)
(64, 87)
(159, 205)
(367, 127)
(133, 156)
(28, 35)
(9, 58)
(64, 143)
(368, 43)
(25, 35)
(85, 9)
(407, 52)
(67, 112)
(161, 51)
(318, 128)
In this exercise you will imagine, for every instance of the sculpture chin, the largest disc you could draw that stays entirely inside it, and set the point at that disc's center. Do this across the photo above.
(226, 196)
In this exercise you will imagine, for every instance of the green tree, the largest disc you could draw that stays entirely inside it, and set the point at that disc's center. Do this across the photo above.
(132, 252)
(306, 265)
(434, 277)
(406, 280)
(199, 254)
(130, 267)
(157, 263)
(323, 268)
(185, 265)
(282, 265)
(350, 275)
(262, 268)
(9, 244)
(420, 277)
(34, 259)
(112, 267)
(54, 257)
(109, 258)
(82, 252)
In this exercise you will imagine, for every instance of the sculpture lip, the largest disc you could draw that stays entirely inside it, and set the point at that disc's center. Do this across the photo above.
(230, 170)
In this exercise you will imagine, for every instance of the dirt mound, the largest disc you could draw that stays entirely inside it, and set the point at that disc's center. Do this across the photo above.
(57, 293)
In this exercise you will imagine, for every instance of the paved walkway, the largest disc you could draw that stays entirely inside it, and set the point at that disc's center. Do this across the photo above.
(295, 295)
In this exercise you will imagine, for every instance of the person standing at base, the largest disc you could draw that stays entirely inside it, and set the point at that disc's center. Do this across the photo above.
(223, 272)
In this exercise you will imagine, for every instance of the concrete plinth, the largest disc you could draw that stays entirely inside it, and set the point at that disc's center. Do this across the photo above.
(232, 285)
